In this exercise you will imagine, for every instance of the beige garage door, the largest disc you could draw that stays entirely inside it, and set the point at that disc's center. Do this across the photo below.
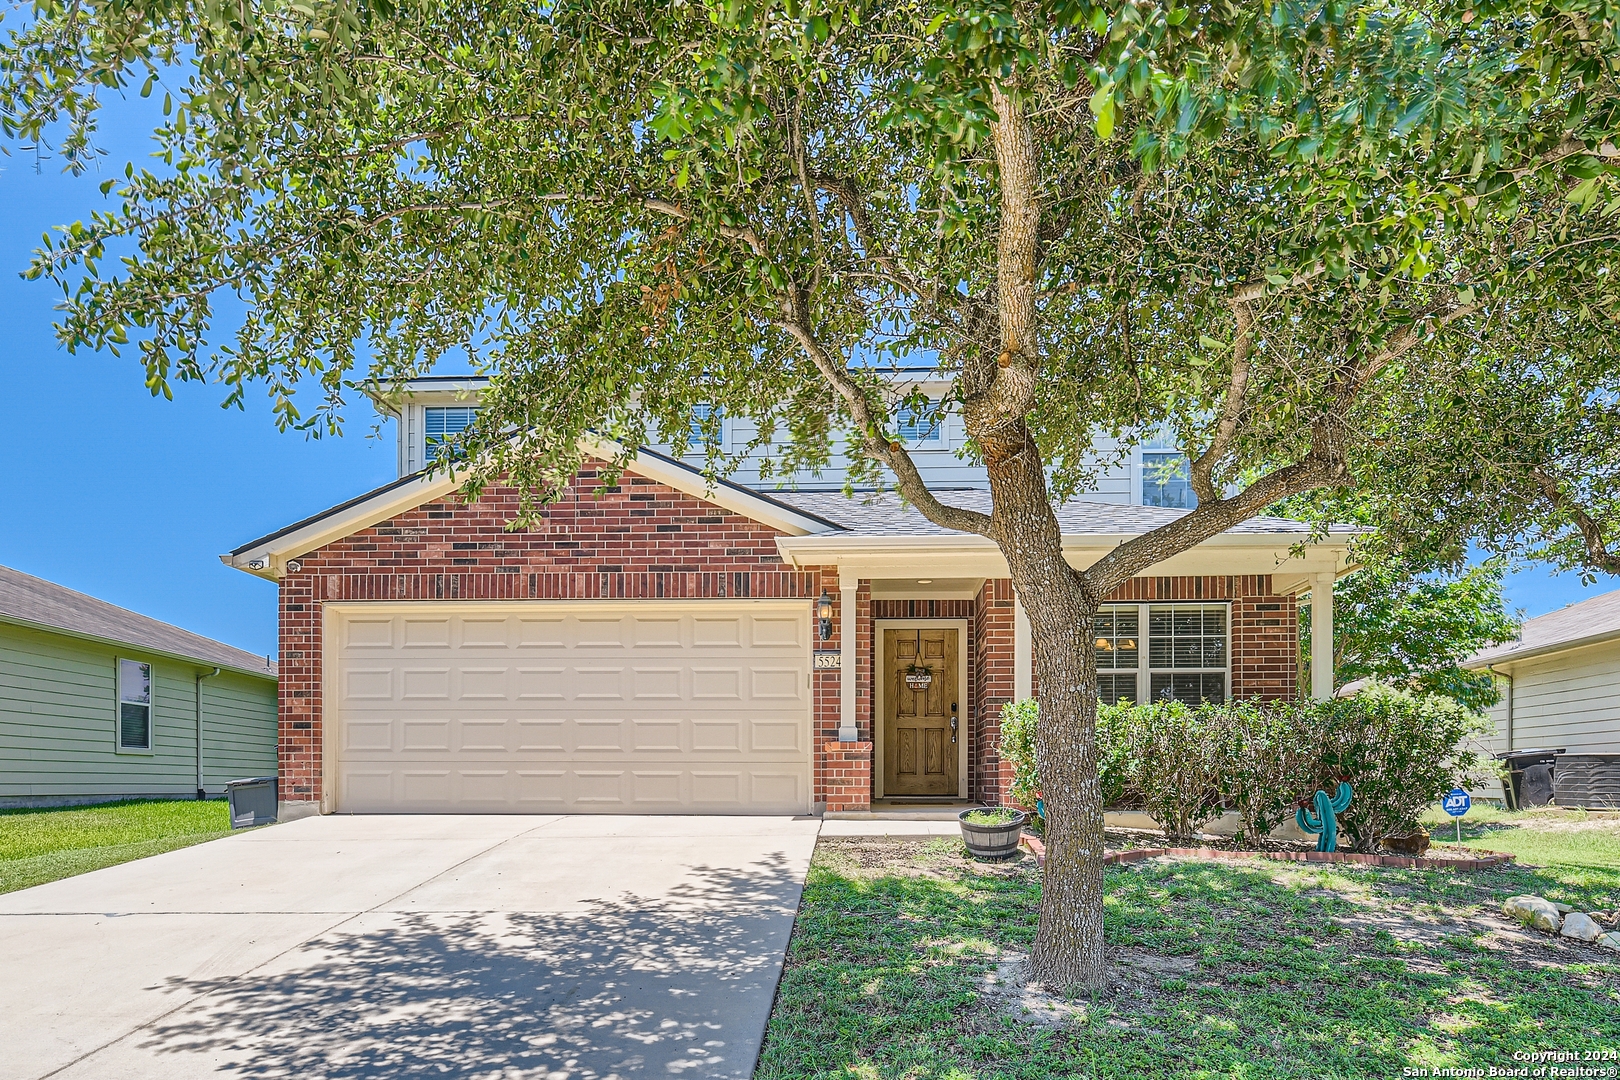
(569, 707)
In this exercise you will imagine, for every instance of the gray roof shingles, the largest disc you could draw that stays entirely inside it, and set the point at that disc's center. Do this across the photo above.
(29, 599)
(1594, 618)
(883, 514)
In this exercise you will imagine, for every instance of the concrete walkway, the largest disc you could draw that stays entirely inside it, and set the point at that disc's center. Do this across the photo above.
(570, 948)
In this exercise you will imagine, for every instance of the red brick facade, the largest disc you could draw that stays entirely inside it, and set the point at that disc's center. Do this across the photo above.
(846, 775)
(644, 540)
(637, 540)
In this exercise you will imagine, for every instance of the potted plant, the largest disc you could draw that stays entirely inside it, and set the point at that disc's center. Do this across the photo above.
(992, 832)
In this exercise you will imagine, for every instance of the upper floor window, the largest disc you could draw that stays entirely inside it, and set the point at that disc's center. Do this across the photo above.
(1166, 480)
(445, 421)
(705, 418)
(919, 427)
(134, 705)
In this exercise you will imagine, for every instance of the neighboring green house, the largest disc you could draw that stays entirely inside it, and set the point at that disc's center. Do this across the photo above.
(99, 703)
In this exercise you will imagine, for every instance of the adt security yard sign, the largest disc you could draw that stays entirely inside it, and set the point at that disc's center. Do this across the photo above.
(1456, 803)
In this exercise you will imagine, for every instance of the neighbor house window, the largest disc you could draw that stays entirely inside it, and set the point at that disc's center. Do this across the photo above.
(445, 422)
(1185, 657)
(918, 427)
(134, 705)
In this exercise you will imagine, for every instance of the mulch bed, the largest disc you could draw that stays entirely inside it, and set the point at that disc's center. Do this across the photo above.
(1409, 862)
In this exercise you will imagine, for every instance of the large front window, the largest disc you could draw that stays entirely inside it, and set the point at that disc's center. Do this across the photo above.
(1186, 656)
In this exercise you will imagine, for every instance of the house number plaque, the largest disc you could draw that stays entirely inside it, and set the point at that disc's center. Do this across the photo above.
(828, 660)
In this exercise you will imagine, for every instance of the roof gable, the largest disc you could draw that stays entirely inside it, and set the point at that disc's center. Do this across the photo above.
(30, 601)
(1586, 622)
(268, 555)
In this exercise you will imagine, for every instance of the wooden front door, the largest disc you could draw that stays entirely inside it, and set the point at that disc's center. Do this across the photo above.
(920, 727)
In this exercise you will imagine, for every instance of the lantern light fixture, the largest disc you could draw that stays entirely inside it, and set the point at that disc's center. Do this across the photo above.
(824, 608)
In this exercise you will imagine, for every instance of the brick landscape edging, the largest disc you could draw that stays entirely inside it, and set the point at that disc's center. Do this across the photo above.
(1405, 862)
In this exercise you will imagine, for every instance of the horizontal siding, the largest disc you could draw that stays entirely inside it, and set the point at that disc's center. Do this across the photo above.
(239, 729)
(1570, 699)
(939, 466)
(57, 720)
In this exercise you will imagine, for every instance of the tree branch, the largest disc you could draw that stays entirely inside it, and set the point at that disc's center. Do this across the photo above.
(1208, 520)
(1597, 548)
(1202, 469)
(868, 427)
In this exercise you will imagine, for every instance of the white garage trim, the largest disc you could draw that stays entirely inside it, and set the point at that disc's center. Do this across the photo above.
(567, 706)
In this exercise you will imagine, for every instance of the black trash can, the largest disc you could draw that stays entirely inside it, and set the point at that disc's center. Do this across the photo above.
(253, 801)
(1519, 762)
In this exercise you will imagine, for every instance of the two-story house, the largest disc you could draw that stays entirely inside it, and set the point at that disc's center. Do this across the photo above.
(669, 645)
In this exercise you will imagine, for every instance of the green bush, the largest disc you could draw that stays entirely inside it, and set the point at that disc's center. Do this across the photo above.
(1170, 756)
(1018, 748)
(1400, 751)
(1185, 764)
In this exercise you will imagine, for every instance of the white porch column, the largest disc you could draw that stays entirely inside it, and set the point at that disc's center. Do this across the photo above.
(849, 586)
(1023, 653)
(1322, 636)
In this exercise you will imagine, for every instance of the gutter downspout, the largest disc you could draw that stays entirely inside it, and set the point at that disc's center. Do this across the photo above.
(201, 793)
(1507, 786)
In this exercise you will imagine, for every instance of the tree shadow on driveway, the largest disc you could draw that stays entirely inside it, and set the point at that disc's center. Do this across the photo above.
(681, 985)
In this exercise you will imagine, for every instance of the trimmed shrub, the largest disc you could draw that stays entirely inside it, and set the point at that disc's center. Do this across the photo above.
(1267, 758)
(1184, 764)
(1170, 753)
(1018, 748)
(1400, 751)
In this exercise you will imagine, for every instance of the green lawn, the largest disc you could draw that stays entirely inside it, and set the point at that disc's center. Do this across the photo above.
(37, 846)
(1252, 970)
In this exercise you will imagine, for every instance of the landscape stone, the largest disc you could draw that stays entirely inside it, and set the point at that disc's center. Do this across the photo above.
(1563, 909)
(1611, 940)
(1534, 911)
(1581, 927)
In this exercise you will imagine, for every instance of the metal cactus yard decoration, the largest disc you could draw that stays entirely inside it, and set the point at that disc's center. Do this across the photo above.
(1325, 821)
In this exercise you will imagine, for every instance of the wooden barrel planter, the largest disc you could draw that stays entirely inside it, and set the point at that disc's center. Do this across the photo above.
(996, 839)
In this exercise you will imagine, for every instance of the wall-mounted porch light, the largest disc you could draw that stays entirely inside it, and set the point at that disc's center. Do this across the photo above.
(824, 613)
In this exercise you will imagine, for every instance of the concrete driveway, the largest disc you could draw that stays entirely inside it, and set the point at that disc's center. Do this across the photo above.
(556, 947)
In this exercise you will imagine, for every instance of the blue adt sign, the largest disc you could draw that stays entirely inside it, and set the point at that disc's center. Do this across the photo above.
(1456, 802)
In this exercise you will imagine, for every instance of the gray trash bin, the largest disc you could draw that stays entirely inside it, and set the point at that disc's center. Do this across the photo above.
(253, 801)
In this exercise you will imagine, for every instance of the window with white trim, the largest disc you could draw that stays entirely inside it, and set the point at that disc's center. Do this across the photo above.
(706, 418)
(920, 427)
(1119, 654)
(1186, 657)
(1167, 481)
(442, 422)
(134, 705)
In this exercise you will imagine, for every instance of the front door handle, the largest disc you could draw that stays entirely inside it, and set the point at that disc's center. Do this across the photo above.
(953, 722)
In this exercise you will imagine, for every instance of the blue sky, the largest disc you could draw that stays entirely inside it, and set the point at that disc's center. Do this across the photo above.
(131, 498)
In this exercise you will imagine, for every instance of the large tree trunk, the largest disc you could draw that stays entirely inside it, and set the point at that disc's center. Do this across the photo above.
(1062, 614)
(1069, 943)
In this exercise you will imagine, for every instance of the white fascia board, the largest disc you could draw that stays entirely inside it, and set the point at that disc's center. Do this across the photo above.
(136, 647)
(275, 551)
(967, 555)
(1487, 660)
(453, 390)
